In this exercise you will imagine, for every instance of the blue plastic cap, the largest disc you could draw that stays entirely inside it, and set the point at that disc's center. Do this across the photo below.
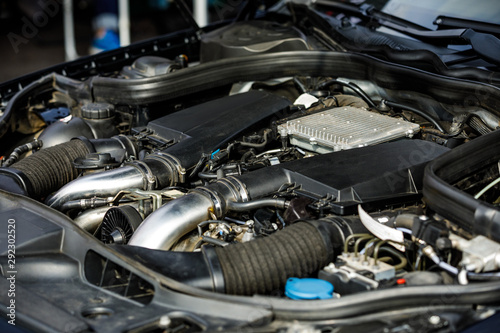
(308, 288)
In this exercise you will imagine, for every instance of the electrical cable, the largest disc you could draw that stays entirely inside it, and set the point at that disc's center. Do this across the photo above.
(353, 86)
(14, 156)
(484, 190)
(416, 111)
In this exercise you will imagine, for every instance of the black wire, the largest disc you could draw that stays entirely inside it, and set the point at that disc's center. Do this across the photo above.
(206, 175)
(14, 156)
(354, 87)
(300, 86)
(416, 111)
(198, 165)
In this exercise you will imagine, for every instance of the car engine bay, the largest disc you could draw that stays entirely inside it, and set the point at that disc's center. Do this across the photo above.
(230, 185)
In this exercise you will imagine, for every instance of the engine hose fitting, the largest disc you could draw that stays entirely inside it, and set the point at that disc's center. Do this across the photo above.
(260, 266)
(51, 168)
(264, 265)
(148, 178)
(148, 174)
(173, 167)
(218, 203)
(16, 153)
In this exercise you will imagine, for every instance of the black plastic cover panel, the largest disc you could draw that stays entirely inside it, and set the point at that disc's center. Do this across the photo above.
(473, 215)
(380, 173)
(204, 128)
(247, 38)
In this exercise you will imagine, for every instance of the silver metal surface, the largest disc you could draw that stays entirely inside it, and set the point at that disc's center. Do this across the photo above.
(491, 120)
(380, 270)
(90, 219)
(479, 254)
(172, 221)
(348, 273)
(345, 128)
(102, 184)
(200, 12)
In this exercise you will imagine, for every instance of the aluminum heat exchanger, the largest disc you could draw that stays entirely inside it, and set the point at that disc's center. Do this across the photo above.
(345, 128)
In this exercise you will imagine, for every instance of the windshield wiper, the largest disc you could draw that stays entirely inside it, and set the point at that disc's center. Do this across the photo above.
(485, 45)
(368, 11)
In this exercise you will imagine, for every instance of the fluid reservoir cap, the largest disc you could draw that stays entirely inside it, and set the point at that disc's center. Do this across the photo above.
(98, 111)
(308, 288)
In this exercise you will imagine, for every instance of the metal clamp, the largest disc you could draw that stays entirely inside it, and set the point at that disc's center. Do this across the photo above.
(240, 188)
(149, 179)
(172, 162)
(216, 200)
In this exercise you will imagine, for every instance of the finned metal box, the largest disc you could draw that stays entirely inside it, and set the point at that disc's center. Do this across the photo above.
(345, 128)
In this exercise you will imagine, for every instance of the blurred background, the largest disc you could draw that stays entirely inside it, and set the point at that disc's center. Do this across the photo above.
(32, 31)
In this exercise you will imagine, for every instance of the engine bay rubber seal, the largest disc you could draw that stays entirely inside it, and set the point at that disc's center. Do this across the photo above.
(474, 216)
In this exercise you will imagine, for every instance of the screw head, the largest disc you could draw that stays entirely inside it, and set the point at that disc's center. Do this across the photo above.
(434, 320)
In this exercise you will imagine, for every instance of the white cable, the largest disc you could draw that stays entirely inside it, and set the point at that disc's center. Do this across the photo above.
(490, 185)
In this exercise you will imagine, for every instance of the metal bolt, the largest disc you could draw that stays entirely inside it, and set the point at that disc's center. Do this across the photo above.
(434, 320)
(164, 322)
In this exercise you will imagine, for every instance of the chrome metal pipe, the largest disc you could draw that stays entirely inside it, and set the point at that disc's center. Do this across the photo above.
(164, 227)
(172, 221)
(102, 184)
(90, 219)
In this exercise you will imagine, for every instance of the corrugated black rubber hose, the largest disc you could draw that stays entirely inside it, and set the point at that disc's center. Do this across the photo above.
(51, 168)
(264, 265)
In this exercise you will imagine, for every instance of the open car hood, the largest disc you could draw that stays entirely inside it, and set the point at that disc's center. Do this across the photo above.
(292, 170)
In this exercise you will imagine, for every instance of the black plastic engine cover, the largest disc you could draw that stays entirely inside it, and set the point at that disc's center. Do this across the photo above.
(382, 173)
(248, 38)
(204, 128)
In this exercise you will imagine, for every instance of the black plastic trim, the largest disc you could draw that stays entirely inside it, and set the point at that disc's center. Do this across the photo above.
(473, 215)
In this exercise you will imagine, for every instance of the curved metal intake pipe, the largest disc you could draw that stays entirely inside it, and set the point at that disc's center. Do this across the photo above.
(149, 174)
(102, 184)
(90, 219)
(164, 227)
(48, 170)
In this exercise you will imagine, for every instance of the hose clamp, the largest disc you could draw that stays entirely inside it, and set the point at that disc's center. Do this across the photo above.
(216, 200)
(240, 187)
(173, 163)
(126, 144)
(149, 179)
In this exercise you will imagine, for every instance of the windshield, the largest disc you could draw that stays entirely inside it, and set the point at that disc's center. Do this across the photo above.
(424, 12)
